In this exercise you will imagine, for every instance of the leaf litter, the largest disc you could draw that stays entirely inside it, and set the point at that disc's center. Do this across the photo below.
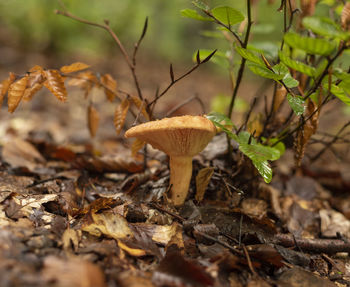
(72, 215)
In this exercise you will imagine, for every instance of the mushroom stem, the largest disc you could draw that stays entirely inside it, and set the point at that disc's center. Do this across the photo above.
(180, 177)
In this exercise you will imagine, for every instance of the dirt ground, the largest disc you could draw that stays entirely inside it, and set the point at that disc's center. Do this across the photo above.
(76, 211)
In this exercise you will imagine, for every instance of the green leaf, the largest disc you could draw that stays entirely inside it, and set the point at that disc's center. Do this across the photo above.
(325, 27)
(201, 5)
(222, 122)
(297, 104)
(250, 56)
(227, 15)
(289, 81)
(264, 169)
(193, 14)
(218, 58)
(296, 65)
(312, 46)
(264, 72)
(339, 93)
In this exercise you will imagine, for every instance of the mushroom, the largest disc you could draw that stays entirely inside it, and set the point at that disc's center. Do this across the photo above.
(180, 138)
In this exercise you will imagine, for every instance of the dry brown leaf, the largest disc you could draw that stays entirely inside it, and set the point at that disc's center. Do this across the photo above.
(20, 153)
(305, 132)
(345, 16)
(136, 252)
(136, 146)
(5, 84)
(71, 238)
(308, 7)
(255, 126)
(72, 272)
(202, 180)
(93, 120)
(110, 86)
(107, 223)
(85, 80)
(75, 67)
(55, 84)
(36, 68)
(15, 93)
(120, 115)
(141, 107)
(35, 83)
(281, 94)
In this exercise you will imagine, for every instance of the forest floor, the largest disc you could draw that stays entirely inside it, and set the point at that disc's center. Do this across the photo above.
(82, 212)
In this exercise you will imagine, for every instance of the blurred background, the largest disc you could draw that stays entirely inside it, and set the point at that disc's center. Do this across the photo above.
(32, 34)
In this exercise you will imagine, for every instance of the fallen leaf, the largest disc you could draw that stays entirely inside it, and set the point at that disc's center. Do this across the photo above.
(333, 223)
(71, 238)
(202, 180)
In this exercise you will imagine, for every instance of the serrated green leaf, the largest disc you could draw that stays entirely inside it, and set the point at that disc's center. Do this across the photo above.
(289, 81)
(264, 72)
(339, 93)
(212, 34)
(296, 65)
(218, 58)
(321, 67)
(227, 15)
(193, 14)
(325, 27)
(297, 104)
(312, 46)
(264, 169)
(222, 122)
(201, 5)
(250, 55)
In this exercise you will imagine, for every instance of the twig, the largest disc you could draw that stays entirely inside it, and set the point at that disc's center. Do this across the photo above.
(174, 81)
(180, 105)
(250, 265)
(329, 144)
(106, 27)
(328, 246)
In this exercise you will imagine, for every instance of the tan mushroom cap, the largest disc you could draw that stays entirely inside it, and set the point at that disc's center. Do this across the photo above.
(176, 136)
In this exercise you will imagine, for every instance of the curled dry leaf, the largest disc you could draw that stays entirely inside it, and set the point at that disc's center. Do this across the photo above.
(15, 93)
(110, 86)
(107, 223)
(93, 120)
(136, 146)
(280, 96)
(70, 239)
(305, 132)
(35, 83)
(5, 84)
(345, 16)
(85, 80)
(120, 115)
(308, 7)
(55, 84)
(36, 68)
(75, 67)
(202, 180)
(141, 107)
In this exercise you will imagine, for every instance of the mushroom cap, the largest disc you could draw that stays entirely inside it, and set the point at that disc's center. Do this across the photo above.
(176, 136)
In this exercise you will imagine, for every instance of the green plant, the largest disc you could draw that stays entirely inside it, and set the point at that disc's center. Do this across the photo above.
(307, 73)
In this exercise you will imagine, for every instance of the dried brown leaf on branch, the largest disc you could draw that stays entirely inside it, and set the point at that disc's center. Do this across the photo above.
(35, 83)
(308, 7)
(84, 80)
(345, 16)
(75, 67)
(202, 180)
(120, 115)
(280, 96)
(306, 131)
(55, 84)
(5, 84)
(93, 119)
(136, 146)
(110, 86)
(15, 93)
(141, 107)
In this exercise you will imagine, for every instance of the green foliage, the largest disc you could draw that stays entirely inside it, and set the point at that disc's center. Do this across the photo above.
(259, 154)
(227, 15)
(250, 55)
(296, 65)
(297, 104)
(313, 46)
(193, 14)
